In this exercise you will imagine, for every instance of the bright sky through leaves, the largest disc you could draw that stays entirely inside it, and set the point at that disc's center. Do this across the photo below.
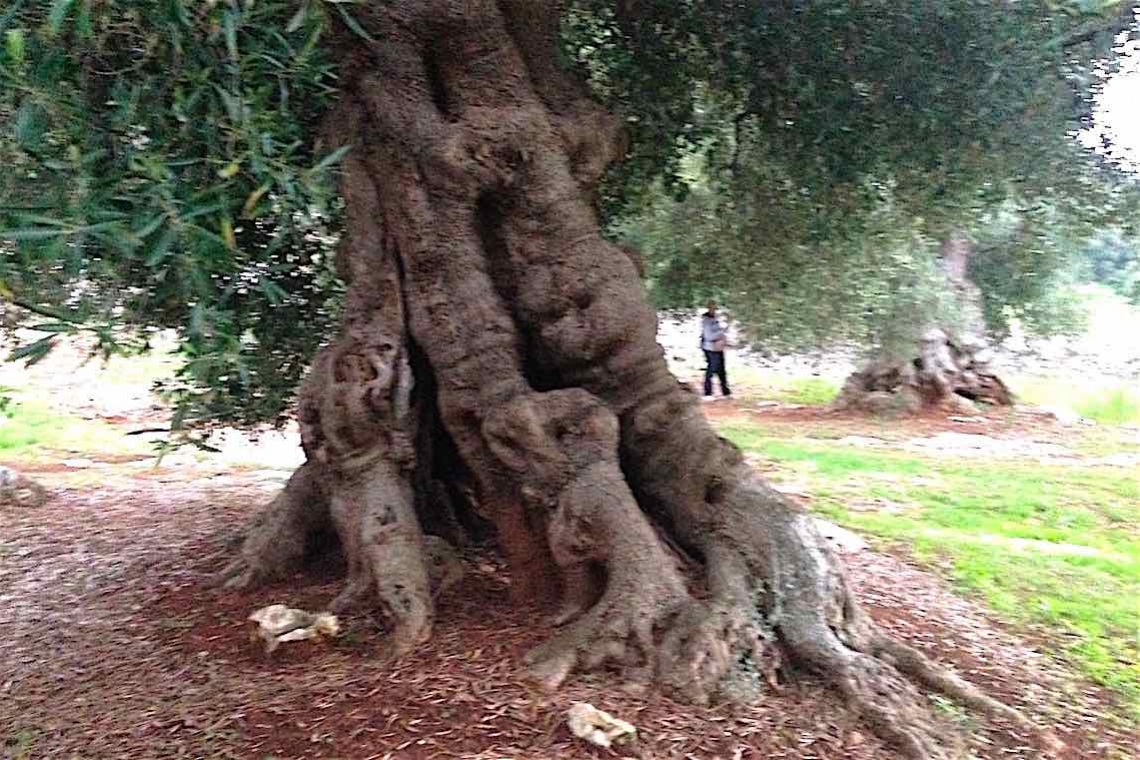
(1118, 109)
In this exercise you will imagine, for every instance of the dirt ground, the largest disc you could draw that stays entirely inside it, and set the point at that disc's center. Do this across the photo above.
(113, 645)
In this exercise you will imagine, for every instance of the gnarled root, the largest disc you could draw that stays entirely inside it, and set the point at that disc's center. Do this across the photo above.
(598, 533)
(619, 583)
(923, 671)
(775, 591)
(625, 602)
(892, 707)
(376, 520)
(276, 540)
(717, 651)
(822, 628)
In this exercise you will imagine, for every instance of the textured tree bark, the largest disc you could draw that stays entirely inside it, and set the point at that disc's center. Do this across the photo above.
(472, 240)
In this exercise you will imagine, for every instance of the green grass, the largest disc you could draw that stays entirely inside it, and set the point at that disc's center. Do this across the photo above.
(31, 427)
(1108, 405)
(1054, 547)
(1116, 406)
(754, 383)
(19, 744)
(34, 420)
(811, 391)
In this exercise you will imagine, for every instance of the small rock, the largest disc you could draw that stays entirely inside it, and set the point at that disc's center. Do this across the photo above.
(598, 727)
(278, 624)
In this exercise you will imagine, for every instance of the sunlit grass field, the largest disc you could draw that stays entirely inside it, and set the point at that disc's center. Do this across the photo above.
(1052, 546)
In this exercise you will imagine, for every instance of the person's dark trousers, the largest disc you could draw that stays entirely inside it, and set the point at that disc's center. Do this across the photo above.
(714, 365)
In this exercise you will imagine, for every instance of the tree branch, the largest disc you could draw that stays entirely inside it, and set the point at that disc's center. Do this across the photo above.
(1123, 17)
(737, 123)
(42, 311)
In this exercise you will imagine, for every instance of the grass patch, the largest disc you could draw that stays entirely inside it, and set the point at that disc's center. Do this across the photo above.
(32, 427)
(19, 744)
(760, 384)
(1108, 405)
(810, 391)
(1117, 406)
(1056, 547)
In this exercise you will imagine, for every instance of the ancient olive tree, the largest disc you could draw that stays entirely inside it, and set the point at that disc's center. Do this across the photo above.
(492, 358)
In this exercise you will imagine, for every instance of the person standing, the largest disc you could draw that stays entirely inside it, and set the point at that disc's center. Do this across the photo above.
(714, 339)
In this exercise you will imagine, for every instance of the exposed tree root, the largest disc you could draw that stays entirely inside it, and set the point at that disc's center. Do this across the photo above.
(385, 553)
(276, 540)
(923, 671)
(597, 532)
(892, 707)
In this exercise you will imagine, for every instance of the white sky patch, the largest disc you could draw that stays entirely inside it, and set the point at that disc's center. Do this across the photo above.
(1117, 112)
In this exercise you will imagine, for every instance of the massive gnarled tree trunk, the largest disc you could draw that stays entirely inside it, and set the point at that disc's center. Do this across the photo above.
(483, 296)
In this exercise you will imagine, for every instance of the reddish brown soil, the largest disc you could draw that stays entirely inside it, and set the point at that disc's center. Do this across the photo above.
(111, 645)
(830, 423)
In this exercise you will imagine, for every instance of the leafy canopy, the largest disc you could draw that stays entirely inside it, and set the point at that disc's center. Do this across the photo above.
(833, 147)
(164, 166)
(162, 170)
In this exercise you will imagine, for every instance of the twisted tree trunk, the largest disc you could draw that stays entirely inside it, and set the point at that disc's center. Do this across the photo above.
(480, 284)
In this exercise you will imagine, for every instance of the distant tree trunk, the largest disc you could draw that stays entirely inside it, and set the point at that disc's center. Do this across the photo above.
(948, 371)
(480, 284)
(957, 251)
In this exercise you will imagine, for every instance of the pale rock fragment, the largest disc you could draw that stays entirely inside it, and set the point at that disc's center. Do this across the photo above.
(597, 726)
(277, 624)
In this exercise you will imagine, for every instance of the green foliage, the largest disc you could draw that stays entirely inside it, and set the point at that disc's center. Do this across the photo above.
(161, 171)
(948, 98)
(1113, 259)
(794, 286)
(834, 145)
(1026, 268)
